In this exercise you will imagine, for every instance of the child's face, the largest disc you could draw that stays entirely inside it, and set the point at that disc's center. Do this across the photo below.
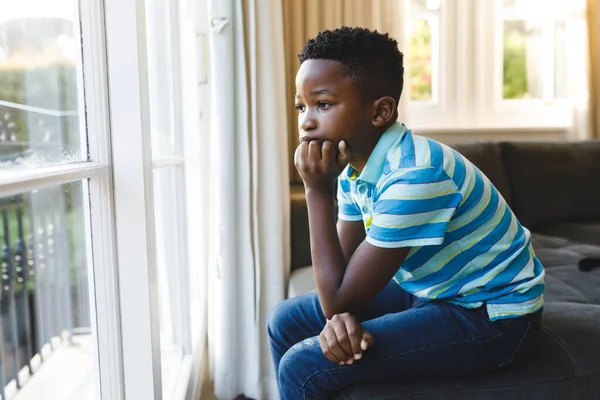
(329, 104)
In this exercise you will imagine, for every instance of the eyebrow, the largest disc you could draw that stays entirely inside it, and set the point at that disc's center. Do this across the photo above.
(322, 91)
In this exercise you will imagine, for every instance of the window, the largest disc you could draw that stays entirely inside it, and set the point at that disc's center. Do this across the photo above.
(53, 176)
(94, 275)
(489, 64)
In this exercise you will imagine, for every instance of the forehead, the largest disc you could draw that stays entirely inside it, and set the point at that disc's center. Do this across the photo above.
(321, 73)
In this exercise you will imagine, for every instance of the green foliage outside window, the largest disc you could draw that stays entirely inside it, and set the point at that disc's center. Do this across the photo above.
(514, 63)
(420, 61)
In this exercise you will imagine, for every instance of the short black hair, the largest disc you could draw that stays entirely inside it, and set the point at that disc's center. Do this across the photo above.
(369, 57)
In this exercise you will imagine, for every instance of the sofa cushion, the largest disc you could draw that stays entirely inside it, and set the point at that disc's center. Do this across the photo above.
(486, 157)
(585, 232)
(553, 182)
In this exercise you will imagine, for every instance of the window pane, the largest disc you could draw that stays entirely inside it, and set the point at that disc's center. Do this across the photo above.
(522, 62)
(561, 87)
(161, 77)
(170, 267)
(46, 307)
(40, 82)
(420, 60)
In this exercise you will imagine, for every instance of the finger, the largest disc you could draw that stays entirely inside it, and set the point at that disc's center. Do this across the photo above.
(354, 330)
(343, 157)
(367, 340)
(328, 153)
(314, 150)
(342, 338)
(334, 344)
(300, 155)
(325, 347)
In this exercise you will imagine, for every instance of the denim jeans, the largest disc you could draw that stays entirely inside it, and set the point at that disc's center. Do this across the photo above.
(413, 339)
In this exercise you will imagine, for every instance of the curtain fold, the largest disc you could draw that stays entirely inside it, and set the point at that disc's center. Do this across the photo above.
(593, 27)
(250, 185)
(303, 19)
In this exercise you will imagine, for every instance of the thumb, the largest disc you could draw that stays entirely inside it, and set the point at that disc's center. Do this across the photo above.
(367, 340)
(343, 157)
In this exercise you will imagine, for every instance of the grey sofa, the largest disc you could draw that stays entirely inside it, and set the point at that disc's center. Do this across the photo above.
(554, 189)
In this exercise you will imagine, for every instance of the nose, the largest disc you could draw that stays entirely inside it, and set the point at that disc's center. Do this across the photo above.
(306, 122)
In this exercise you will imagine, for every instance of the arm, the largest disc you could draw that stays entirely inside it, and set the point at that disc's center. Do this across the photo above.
(351, 234)
(345, 286)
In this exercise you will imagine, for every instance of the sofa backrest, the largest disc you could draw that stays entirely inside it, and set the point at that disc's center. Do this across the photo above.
(553, 182)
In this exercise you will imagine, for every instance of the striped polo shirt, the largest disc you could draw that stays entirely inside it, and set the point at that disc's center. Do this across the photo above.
(467, 246)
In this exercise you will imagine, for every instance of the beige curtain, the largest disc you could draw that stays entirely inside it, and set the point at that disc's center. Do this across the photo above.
(593, 25)
(303, 19)
(250, 187)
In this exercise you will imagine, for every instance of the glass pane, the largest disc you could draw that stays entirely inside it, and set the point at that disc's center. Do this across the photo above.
(40, 83)
(46, 336)
(170, 266)
(522, 61)
(561, 87)
(161, 74)
(420, 60)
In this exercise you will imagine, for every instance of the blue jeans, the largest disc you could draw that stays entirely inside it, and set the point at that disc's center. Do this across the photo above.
(413, 339)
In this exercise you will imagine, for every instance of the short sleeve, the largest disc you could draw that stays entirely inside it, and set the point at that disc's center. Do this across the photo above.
(347, 209)
(413, 208)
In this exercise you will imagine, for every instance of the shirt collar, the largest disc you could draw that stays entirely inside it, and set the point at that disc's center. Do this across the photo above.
(374, 166)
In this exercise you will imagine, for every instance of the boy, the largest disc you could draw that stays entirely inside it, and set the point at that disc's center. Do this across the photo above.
(429, 273)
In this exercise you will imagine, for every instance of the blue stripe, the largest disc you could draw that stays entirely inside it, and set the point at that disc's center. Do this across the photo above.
(345, 185)
(407, 146)
(386, 168)
(349, 209)
(425, 231)
(417, 176)
(475, 195)
(459, 170)
(437, 155)
(406, 207)
(505, 293)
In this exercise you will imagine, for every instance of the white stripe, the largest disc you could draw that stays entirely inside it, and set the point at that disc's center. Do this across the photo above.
(526, 307)
(415, 191)
(422, 151)
(449, 162)
(394, 221)
(351, 218)
(405, 243)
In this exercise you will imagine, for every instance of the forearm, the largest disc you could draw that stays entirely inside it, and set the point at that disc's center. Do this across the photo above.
(329, 262)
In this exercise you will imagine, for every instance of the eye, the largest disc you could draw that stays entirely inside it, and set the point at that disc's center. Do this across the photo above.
(300, 107)
(323, 104)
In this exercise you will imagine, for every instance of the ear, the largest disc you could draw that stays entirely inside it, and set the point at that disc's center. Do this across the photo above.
(384, 111)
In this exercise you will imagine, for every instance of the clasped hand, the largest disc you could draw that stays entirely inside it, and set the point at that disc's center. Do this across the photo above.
(320, 163)
(343, 339)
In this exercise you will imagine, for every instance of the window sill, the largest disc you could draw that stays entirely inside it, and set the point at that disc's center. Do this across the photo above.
(451, 135)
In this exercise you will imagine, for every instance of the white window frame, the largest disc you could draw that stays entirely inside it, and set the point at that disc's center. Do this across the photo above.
(99, 227)
(127, 57)
(471, 81)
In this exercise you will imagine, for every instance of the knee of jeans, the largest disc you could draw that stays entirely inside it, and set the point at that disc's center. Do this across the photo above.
(277, 318)
(293, 364)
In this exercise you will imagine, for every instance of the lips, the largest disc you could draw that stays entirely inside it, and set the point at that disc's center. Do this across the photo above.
(307, 139)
